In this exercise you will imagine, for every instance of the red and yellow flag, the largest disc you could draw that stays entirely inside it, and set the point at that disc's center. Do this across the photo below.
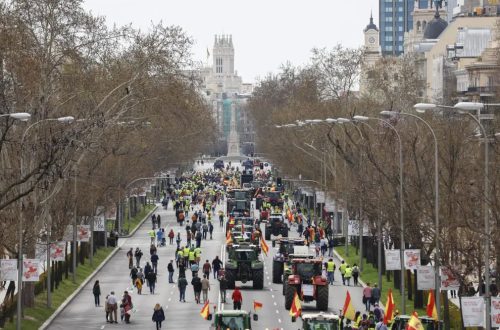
(431, 306)
(389, 308)
(257, 305)
(205, 311)
(414, 323)
(296, 308)
(348, 310)
(264, 246)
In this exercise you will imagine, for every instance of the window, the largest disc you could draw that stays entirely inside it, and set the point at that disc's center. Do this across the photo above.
(388, 19)
(388, 9)
(388, 38)
(418, 26)
(218, 65)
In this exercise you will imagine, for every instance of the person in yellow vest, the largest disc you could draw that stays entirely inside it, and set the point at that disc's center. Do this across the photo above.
(185, 253)
(197, 255)
(348, 274)
(330, 271)
(152, 236)
(180, 258)
(357, 320)
(192, 257)
(342, 268)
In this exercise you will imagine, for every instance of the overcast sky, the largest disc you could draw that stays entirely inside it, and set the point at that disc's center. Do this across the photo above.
(266, 33)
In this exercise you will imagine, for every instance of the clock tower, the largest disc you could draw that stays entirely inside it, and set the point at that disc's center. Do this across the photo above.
(372, 51)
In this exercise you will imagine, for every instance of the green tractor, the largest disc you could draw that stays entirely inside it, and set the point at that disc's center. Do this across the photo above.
(243, 264)
(308, 282)
(323, 321)
(232, 319)
(286, 247)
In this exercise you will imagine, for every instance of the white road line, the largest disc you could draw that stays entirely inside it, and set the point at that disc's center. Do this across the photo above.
(103, 326)
(275, 304)
(272, 296)
(277, 311)
(279, 320)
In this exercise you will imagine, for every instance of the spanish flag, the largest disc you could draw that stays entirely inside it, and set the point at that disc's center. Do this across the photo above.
(257, 305)
(348, 310)
(431, 306)
(414, 323)
(389, 308)
(296, 308)
(205, 311)
(229, 239)
(264, 246)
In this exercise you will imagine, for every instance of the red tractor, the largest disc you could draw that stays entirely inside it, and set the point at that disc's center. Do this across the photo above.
(306, 279)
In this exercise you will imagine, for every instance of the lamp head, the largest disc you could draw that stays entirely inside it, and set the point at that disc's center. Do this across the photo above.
(470, 106)
(331, 120)
(388, 113)
(361, 118)
(67, 119)
(422, 107)
(23, 116)
(343, 120)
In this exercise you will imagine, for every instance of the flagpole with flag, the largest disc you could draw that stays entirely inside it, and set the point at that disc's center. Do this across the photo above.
(414, 323)
(256, 305)
(431, 306)
(296, 309)
(264, 246)
(205, 311)
(348, 309)
(389, 308)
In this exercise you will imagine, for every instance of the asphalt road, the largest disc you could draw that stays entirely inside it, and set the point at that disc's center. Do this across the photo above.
(114, 276)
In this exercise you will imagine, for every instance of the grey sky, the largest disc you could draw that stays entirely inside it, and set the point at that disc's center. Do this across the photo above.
(266, 33)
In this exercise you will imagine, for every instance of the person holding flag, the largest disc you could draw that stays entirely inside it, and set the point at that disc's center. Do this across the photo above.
(205, 311)
(414, 323)
(348, 311)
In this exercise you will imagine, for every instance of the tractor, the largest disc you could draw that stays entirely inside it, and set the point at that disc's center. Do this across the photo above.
(323, 321)
(286, 247)
(231, 319)
(243, 265)
(276, 225)
(307, 281)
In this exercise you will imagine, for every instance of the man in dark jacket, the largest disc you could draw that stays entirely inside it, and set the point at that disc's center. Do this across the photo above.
(154, 262)
(223, 288)
(216, 266)
(151, 278)
(170, 269)
(196, 283)
(182, 284)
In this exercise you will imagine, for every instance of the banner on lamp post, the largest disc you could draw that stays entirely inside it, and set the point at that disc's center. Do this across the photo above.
(495, 312)
(426, 278)
(448, 280)
(8, 269)
(83, 233)
(473, 311)
(31, 269)
(99, 224)
(393, 259)
(412, 259)
(57, 251)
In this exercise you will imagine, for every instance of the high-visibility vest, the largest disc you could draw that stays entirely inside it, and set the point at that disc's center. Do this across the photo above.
(342, 268)
(330, 266)
(348, 272)
(191, 256)
(197, 252)
(180, 254)
(186, 252)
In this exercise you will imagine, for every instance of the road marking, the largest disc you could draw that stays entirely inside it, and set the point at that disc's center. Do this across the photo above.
(272, 296)
(277, 311)
(279, 320)
(103, 326)
(275, 303)
(169, 299)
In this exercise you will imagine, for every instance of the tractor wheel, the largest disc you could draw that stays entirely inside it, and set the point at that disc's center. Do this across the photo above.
(283, 289)
(267, 234)
(277, 271)
(231, 278)
(289, 294)
(322, 297)
(258, 279)
(284, 231)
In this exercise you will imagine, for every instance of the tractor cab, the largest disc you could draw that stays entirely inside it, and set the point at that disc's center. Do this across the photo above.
(320, 321)
(232, 319)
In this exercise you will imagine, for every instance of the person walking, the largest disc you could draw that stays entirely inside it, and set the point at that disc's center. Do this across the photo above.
(133, 274)
(151, 278)
(237, 298)
(96, 290)
(171, 236)
(342, 268)
(127, 306)
(158, 221)
(153, 221)
(216, 266)
(210, 228)
(138, 255)
(154, 262)
(355, 274)
(367, 296)
(331, 245)
(330, 271)
(182, 284)
(348, 275)
(107, 309)
(130, 256)
(375, 295)
(194, 269)
(205, 287)
(158, 316)
(222, 288)
(113, 308)
(138, 285)
(170, 269)
(196, 283)
(207, 268)
(178, 240)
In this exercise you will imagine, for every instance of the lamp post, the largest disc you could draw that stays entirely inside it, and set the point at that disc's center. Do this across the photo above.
(437, 283)
(401, 217)
(473, 106)
(26, 116)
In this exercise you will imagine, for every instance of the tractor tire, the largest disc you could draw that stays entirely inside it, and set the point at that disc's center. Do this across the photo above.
(284, 231)
(277, 271)
(322, 297)
(258, 279)
(289, 294)
(231, 279)
(267, 234)
(283, 289)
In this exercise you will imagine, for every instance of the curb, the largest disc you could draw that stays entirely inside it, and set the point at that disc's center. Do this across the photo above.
(363, 284)
(91, 276)
(140, 223)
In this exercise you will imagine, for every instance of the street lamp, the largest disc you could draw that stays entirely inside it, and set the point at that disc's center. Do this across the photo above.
(25, 116)
(22, 116)
(474, 106)
(401, 218)
(437, 283)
